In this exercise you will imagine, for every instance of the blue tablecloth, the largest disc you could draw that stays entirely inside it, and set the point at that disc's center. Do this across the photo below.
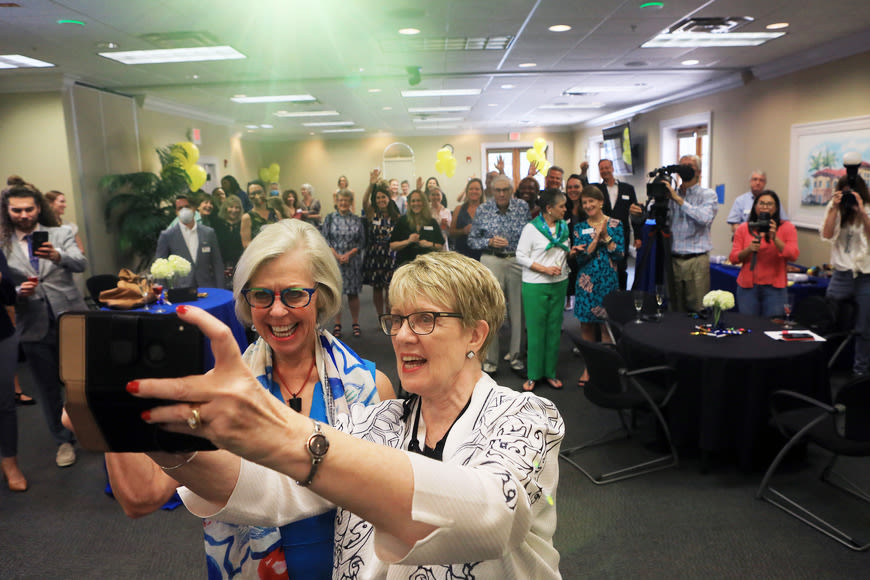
(220, 304)
(724, 277)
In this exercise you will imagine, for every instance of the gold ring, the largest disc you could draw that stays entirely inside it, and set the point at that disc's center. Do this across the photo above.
(193, 421)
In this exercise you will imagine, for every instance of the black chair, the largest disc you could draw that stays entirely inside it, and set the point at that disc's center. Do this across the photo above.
(619, 306)
(97, 284)
(612, 385)
(840, 429)
(834, 320)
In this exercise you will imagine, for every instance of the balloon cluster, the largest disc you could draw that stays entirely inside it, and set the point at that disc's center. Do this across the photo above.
(270, 174)
(537, 155)
(446, 162)
(186, 155)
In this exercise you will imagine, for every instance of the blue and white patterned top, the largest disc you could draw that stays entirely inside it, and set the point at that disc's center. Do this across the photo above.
(489, 222)
(690, 222)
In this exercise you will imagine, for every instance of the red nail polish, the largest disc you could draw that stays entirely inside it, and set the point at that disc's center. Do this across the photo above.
(181, 309)
(133, 387)
(146, 416)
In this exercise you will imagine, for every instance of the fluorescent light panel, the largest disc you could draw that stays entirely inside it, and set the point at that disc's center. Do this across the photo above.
(19, 61)
(438, 109)
(306, 114)
(355, 130)
(274, 99)
(441, 93)
(167, 55)
(329, 124)
(706, 39)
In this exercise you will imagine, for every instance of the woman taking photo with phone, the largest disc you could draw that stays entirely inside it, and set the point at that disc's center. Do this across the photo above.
(847, 227)
(764, 246)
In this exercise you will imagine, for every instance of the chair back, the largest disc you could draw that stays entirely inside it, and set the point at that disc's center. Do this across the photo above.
(816, 313)
(100, 282)
(603, 362)
(855, 397)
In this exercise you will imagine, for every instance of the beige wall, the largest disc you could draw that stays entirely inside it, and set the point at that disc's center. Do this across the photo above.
(33, 142)
(751, 128)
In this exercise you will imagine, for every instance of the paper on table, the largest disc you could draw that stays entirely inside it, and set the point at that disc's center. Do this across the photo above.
(800, 335)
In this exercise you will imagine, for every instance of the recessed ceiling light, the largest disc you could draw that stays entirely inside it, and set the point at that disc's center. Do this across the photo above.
(438, 109)
(19, 61)
(356, 130)
(559, 28)
(508, 87)
(306, 114)
(527, 64)
(78, 22)
(267, 126)
(777, 26)
(329, 124)
(374, 90)
(690, 62)
(409, 31)
(273, 99)
(441, 93)
(174, 55)
(440, 120)
(707, 39)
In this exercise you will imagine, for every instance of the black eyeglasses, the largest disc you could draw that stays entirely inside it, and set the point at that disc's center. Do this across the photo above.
(419, 322)
(290, 297)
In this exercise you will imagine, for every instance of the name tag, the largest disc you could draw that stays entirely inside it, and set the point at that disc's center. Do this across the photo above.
(588, 231)
(376, 222)
(625, 197)
(206, 249)
(428, 228)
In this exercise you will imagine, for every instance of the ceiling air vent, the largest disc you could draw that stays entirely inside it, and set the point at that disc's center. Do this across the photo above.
(711, 25)
(182, 39)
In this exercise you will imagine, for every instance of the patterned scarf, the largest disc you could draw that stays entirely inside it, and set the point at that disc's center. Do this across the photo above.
(562, 234)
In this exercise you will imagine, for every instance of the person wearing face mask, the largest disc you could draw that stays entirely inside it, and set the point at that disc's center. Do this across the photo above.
(196, 243)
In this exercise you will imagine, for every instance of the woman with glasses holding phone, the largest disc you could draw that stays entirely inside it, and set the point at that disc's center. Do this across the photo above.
(288, 285)
(458, 480)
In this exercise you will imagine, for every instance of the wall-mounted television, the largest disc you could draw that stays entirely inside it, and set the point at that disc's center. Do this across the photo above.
(617, 148)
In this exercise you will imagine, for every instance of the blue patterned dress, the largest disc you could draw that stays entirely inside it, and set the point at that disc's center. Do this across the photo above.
(597, 274)
(343, 233)
(380, 261)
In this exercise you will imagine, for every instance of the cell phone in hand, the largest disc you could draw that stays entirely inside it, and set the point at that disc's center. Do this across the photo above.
(38, 238)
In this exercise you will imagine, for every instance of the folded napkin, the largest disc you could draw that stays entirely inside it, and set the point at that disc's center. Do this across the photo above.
(132, 292)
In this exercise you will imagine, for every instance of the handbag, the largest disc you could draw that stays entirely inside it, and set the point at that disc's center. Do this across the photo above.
(132, 291)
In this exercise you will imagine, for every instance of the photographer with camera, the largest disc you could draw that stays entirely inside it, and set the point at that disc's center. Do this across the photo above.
(764, 245)
(847, 227)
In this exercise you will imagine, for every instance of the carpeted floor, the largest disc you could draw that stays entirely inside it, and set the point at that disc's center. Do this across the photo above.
(677, 523)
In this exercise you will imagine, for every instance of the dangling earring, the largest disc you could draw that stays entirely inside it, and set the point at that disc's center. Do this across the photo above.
(469, 354)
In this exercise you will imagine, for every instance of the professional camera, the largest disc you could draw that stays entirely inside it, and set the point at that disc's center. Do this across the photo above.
(852, 162)
(657, 192)
(761, 225)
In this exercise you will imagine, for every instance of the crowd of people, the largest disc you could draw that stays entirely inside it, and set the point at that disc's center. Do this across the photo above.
(377, 504)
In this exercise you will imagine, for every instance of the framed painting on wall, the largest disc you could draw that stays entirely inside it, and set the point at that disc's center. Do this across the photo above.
(816, 163)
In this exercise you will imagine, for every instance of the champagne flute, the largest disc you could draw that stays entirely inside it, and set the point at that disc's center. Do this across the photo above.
(638, 305)
(149, 282)
(786, 307)
(660, 299)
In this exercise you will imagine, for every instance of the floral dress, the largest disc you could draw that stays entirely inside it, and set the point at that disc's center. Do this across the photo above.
(597, 274)
(343, 233)
(379, 261)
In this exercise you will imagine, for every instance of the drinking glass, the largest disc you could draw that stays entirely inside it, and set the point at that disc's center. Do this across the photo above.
(660, 299)
(149, 283)
(786, 307)
(158, 290)
(638, 305)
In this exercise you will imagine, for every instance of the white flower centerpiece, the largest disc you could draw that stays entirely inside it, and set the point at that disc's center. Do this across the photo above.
(718, 300)
(169, 269)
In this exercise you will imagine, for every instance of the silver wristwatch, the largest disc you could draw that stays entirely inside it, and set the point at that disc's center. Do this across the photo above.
(317, 446)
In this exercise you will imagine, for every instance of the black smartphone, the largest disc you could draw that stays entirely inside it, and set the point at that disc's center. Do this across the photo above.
(38, 238)
(100, 352)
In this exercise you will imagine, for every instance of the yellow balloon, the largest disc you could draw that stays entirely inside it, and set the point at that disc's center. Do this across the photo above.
(444, 153)
(264, 175)
(198, 177)
(274, 172)
(440, 166)
(451, 166)
(540, 145)
(190, 153)
(532, 156)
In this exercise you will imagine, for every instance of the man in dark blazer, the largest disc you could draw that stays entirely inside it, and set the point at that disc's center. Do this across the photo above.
(618, 199)
(196, 243)
(43, 278)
